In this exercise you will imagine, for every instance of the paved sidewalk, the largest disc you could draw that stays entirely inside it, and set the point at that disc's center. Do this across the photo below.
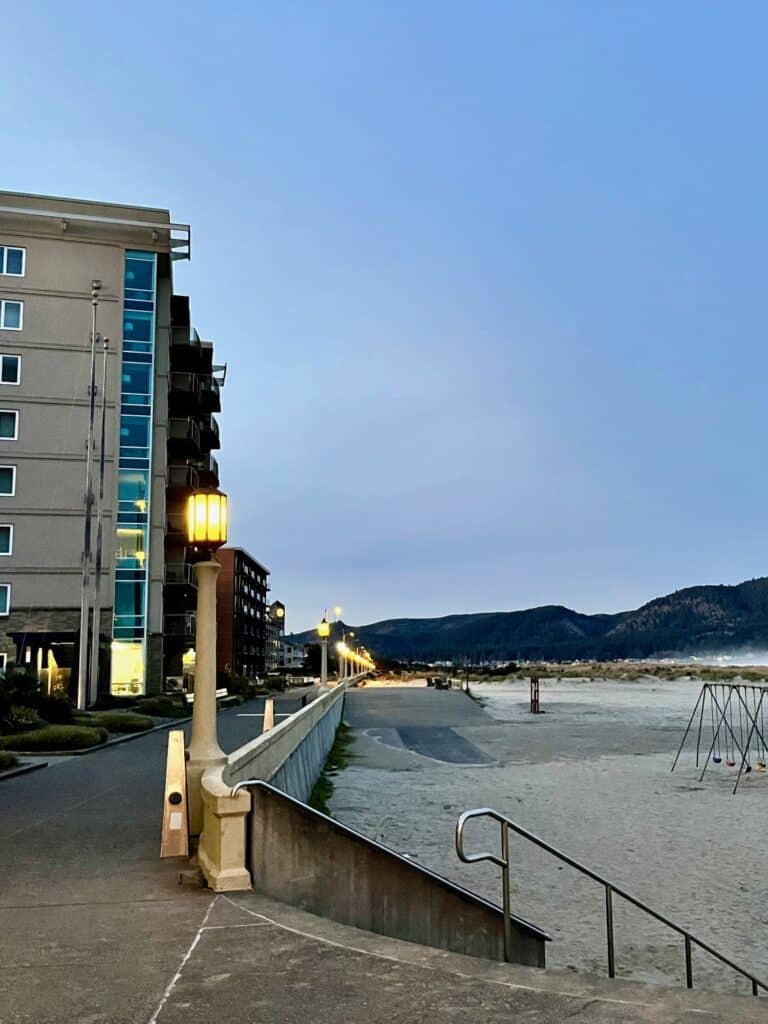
(92, 923)
(255, 961)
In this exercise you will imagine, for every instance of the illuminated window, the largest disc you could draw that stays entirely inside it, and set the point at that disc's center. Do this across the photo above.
(127, 676)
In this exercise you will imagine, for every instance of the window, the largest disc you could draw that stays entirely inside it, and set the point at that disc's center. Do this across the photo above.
(10, 369)
(7, 481)
(5, 598)
(11, 315)
(6, 539)
(9, 424)
(12, 261)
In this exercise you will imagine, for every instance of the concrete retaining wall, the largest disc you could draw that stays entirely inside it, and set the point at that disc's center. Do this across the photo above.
(291, 756)
(314, 862)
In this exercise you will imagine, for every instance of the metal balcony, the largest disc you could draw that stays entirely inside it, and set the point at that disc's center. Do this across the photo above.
(184, 393)
(180, 625)
(210, 394)
(182, 480)
(176, 526)
(185, 348)
(209, 434)
(208, 472)
(183, 438)
(180, 574)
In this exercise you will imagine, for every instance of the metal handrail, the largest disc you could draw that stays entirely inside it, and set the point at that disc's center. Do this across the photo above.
(503, 862)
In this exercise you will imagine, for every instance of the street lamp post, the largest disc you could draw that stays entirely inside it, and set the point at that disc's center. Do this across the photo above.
(323, 632)
(206, 531)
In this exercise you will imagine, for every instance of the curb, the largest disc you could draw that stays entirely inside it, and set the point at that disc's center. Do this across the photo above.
(22, 769)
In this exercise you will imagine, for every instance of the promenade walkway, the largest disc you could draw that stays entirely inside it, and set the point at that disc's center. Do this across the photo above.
(95, 930)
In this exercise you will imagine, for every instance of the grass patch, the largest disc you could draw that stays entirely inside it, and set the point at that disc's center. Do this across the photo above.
(117, 721)
(339, 757)
(7, 760)
(55, 737)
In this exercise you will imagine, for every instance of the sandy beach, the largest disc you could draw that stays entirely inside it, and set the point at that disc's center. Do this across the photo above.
(591, 776)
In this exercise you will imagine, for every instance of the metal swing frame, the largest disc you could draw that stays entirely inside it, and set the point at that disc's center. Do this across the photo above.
(722, 704)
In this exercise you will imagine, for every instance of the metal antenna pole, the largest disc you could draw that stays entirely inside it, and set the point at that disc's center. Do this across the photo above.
(82, 664)
(96, 632)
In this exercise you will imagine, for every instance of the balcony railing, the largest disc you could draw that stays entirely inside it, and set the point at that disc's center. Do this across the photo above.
(208, 472)
(176, 524)
(210, 394)
(183, 437)
(180, 574)
(180, 625)
(182, 478)
(209, 434)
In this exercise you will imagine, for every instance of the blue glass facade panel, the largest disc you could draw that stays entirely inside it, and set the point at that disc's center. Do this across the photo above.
(129, 628)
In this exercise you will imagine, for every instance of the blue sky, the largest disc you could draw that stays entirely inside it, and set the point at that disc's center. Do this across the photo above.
(489, 277)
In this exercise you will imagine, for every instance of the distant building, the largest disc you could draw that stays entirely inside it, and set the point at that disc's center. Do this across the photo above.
(292, 654)
(275, 633)
(241, 613)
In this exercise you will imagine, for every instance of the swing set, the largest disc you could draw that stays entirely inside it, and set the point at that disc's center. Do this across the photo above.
(731, 720)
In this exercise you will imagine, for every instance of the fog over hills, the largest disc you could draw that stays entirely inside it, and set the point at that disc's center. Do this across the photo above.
(697, 620)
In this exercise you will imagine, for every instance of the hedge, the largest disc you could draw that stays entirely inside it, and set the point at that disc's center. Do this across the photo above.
(55, 737)
(122, 721)
(7, 760)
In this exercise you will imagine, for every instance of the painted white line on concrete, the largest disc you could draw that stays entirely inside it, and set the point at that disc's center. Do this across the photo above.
(172, 983)
(219, 927)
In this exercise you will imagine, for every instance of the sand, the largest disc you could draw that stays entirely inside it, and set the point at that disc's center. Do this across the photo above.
(592, 777)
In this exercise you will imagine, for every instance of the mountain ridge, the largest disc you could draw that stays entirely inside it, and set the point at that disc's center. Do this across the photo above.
(707, 618)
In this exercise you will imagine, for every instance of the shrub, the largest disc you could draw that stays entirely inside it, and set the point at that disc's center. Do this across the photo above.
(56, 710)
(122, 721)
(21, 717)
(7, 760)
(163, 707)
(55, 737)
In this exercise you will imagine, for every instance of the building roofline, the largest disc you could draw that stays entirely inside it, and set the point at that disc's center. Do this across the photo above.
(236, 547)
(85, 202)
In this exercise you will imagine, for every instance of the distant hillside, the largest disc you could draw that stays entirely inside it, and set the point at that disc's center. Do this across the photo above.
(704, 619)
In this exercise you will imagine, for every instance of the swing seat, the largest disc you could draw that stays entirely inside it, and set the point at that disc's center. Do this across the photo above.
(747, 767)
(717, 760)
(731, 764)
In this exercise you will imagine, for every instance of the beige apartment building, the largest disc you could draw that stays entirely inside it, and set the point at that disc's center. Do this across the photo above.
(57, 258)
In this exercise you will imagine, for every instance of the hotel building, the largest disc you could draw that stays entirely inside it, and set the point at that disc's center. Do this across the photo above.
(57, 258)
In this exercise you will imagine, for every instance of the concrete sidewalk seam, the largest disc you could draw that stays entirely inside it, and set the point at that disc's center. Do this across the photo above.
(458, 974)
(172, 983)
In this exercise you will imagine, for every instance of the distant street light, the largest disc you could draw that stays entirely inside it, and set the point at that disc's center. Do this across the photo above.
(206, 531)
(323, 632)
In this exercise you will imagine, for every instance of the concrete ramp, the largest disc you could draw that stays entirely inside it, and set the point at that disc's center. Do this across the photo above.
(314, 862)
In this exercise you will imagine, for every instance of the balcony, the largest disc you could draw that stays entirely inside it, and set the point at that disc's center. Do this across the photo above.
(176, 527)
(180, 574)
(209, 434)
(181, 480)
(184, 394)
(180, 625)
(208, 472)
(210, 394)
(183, 438)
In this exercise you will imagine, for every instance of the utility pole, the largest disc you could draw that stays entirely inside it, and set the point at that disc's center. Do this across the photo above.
(93, 678)
(82, 664)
